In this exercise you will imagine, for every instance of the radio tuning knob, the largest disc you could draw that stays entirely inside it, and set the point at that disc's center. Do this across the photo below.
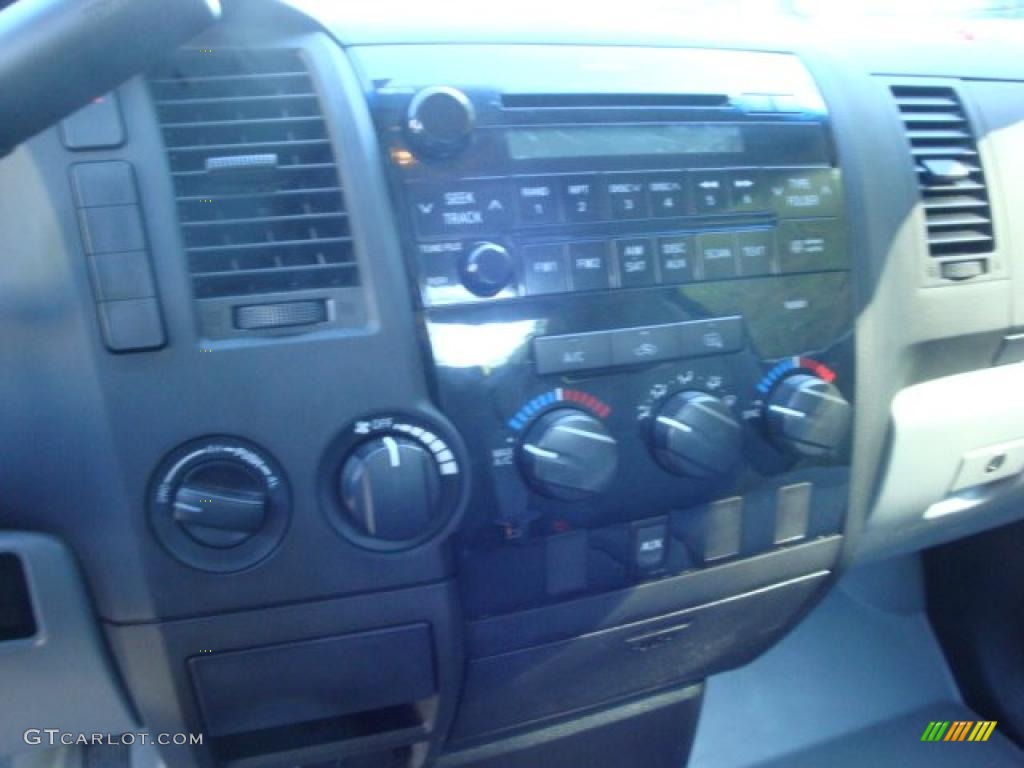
(807, 415)
(439, 121)
(696, 434)
(486, 269)
(568, 454)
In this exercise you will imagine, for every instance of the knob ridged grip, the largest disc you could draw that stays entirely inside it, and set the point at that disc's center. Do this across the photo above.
(439, 121)
(391, 486)
(568, 454)
(808, 415)
(486, 269)
(695, 434)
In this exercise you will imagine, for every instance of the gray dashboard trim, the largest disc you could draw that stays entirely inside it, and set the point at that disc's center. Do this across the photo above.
(62, 677)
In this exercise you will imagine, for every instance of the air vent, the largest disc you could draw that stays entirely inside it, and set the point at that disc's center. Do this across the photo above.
(949, 174)
(258, 194)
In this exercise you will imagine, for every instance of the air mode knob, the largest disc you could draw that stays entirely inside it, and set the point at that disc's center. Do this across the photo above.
(807, 415)
(439, 121)
(568, 454)
(486, 269)
(391, 486)
(696, 434)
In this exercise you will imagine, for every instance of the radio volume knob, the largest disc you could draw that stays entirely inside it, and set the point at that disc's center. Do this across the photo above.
(439, 121)
(486, 269)
(696, 434)
(568, 454)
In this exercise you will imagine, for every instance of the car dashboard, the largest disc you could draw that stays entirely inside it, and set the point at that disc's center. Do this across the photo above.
(510, 380)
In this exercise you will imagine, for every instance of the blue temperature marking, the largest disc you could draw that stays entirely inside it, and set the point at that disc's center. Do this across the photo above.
(518, 421)
(774, 375)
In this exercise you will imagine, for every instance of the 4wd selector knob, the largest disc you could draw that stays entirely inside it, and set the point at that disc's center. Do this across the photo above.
(696, 434)
(808, 415)
(486, 269)
(568, 454)
(439, 121)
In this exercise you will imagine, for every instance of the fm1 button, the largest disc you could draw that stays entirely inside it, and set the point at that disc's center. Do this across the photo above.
(578, 352)
(650, 545)
(545, 269)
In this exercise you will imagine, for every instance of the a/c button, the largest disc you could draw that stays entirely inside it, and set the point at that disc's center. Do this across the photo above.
(582, 351)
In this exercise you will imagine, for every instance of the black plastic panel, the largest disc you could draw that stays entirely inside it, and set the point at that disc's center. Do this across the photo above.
(560, 678)
(17, 620)
(313, 680)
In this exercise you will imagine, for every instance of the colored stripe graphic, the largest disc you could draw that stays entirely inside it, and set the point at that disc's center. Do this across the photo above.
(958, 730)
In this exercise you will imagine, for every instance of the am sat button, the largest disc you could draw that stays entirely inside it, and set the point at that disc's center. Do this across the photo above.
(636, 263)
(644, 345)
(582, 351)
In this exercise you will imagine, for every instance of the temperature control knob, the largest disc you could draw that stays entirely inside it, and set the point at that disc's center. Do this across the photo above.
(486, 269)
(568, 454)
(391, 487)
(439, 121)
(808, 415)
(696, 434)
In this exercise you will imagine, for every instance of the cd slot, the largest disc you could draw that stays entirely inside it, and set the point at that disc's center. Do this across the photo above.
(614, 100)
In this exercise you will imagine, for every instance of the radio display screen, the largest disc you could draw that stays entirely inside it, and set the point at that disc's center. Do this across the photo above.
(548, 143)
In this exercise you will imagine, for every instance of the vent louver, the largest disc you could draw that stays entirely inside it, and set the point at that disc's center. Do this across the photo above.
(949, 171)
(258, 193)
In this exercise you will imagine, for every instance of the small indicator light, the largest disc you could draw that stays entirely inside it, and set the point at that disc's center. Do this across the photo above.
(402, 157)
